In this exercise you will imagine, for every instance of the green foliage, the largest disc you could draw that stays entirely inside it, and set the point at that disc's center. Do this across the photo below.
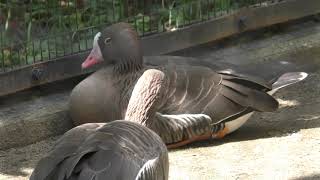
(51, 28)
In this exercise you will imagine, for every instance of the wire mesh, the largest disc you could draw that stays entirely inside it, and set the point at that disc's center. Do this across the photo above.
(37, 30)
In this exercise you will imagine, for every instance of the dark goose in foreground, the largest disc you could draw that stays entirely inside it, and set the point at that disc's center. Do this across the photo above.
(198, 102)
(118, 150)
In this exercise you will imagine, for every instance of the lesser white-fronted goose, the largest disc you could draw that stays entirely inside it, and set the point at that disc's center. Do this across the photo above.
(199, 103)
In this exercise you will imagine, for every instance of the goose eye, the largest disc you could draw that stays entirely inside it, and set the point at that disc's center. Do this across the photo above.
(107, 40)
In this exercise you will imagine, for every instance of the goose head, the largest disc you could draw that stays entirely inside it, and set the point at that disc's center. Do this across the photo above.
(116, 45)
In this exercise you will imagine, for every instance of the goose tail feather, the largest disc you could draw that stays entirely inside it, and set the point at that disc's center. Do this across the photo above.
(287, 79)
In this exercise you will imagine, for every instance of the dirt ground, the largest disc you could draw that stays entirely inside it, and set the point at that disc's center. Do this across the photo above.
(281, 145)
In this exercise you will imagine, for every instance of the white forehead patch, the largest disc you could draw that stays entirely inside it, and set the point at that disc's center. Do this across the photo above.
(95, 39)
(96, 48)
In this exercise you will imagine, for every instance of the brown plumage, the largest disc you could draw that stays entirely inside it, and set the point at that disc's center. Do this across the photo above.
(117, 150)
(194, 91)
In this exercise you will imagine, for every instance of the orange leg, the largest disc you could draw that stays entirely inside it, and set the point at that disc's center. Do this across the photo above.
(188, 141)
(220, 134)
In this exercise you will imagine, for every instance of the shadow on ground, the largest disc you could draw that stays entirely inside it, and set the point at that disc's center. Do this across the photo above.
(309, 177)
(19, 162)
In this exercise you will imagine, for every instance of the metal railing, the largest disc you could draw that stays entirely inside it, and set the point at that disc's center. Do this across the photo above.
(35, 31)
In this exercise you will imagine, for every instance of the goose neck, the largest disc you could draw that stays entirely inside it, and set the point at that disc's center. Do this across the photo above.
(145, 98)
(128, 65)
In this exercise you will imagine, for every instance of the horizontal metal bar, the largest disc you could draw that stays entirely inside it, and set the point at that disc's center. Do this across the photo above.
(243, 20)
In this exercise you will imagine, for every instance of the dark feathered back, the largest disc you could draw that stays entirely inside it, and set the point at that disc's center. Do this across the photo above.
(117, 151)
